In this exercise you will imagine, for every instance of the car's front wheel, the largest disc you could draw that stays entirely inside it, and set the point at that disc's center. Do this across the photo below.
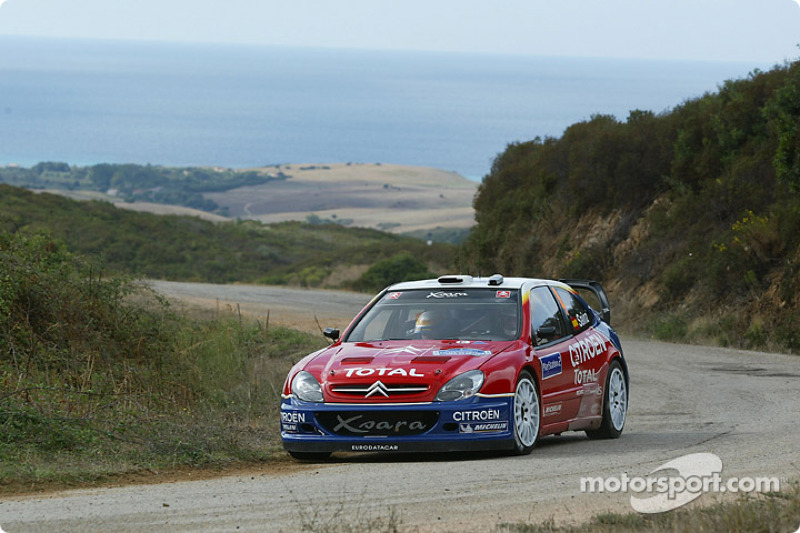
(527, 414)
(615, 405)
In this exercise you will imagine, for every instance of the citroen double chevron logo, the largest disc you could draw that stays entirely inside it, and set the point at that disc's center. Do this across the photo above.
(376, 388)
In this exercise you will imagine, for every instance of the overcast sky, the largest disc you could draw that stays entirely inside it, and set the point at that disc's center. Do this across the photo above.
(741, 30)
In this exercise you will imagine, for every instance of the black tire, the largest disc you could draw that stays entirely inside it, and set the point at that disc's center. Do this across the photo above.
(310, 456)
(526, 412)
(615, 405)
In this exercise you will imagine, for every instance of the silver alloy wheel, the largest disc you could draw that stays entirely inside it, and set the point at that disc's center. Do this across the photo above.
(617, 399)
(526, 412)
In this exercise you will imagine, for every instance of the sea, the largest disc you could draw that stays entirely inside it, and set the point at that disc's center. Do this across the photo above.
(98, 101)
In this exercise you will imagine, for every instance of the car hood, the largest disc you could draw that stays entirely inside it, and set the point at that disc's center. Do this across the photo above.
(408, 371)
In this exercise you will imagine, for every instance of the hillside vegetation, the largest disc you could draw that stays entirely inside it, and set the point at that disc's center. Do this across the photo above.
(691, 218)
(427, 203)
(98, 376)
(139, 183)
(183, 248)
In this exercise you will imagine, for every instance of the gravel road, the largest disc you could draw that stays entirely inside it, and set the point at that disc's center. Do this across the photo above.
(741, 406)
(302, 309)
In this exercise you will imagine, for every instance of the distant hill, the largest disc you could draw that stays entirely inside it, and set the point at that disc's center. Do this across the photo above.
(394, 198)
(137, 183)
(419, 201)
(188, 248)
(691, 217)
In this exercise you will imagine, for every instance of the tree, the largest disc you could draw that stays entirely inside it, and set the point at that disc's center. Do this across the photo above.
(401, 267)
(784, 110)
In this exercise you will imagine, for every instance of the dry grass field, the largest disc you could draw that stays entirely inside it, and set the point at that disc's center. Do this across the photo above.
(393, 198)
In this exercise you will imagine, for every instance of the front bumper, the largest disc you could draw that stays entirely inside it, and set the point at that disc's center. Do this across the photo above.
(480, 423)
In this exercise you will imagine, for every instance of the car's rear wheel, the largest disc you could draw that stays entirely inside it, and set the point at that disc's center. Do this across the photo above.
(527, 414)
(310, 456)
(615, 405)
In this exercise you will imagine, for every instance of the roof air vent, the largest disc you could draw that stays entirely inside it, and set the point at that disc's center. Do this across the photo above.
(495, 280)
(454, 279)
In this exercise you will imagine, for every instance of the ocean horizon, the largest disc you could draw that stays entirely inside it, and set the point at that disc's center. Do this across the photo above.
(85, 102)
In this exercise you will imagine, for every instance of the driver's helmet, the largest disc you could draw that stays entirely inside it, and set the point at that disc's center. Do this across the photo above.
(429, 324)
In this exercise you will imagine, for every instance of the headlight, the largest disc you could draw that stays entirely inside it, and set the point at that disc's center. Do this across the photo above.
(461, 387)
(306, 387)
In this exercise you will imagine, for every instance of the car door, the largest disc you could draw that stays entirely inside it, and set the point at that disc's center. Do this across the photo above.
(551, 338)
(587, 353)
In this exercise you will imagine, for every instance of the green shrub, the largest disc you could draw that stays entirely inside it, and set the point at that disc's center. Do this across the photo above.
(401, 267)
(670, 327)
(679, 277)
(73, 345)
(588, 263)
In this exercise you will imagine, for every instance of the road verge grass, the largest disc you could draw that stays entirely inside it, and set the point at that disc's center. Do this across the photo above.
(763, 513)
(101, 377)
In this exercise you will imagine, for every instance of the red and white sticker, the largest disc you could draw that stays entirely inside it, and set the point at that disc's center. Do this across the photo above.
(395, 295)
(503, 294)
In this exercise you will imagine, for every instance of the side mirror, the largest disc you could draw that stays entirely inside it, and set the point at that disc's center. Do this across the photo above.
(331, 333)
(546, 333)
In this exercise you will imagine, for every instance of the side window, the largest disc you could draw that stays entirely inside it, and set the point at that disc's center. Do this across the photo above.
(579, 317)
(546, 322)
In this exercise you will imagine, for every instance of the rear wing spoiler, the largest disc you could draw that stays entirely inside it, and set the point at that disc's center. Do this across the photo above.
(595, 288)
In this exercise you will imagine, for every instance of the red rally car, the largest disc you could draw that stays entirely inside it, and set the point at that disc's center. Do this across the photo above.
(461, 363)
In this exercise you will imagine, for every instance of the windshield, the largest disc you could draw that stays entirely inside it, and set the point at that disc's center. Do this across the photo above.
(460, 314)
